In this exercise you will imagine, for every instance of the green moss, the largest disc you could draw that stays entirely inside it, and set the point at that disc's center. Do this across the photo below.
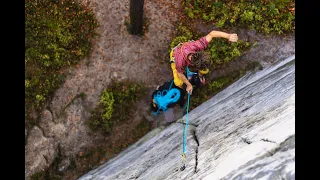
(57, 35)
(38, 175)
(177, 40)
(268, 16)
(183, 35)
(221, 51)
(116, 103)
(107, 101)
(219, 83)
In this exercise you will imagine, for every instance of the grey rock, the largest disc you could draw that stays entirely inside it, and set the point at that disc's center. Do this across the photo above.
(64, 164)
(246, 131)
(40, 151)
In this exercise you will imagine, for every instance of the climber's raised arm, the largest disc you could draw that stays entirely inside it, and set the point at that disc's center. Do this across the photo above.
(220, 34)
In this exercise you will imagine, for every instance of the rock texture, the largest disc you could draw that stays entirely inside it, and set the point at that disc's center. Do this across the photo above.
(246, 131)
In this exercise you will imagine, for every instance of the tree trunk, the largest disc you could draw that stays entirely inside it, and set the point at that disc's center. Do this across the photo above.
(136, 16)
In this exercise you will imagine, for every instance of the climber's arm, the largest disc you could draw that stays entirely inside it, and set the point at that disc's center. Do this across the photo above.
(185, 80)
(220, 34)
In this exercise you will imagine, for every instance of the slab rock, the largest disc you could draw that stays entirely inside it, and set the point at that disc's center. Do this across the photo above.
(247, 131)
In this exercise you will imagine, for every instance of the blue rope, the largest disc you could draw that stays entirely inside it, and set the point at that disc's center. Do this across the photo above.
(184, 108)
(189, 73)
(163, 100)
(171, 84)
(186, 128)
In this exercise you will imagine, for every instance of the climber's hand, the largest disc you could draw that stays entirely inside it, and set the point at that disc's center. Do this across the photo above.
(233, 37)
(189, 89)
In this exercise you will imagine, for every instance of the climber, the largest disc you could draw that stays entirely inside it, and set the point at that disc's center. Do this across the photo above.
(192, 54)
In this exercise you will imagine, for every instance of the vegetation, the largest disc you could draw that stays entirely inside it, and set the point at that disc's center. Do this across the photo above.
(266, 16)
(115, 104)
(38, 175)
(183, 35)
(57, 34)
(222, 52)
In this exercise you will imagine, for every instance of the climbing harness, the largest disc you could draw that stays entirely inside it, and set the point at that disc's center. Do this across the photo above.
(164, 98)
(184, 146)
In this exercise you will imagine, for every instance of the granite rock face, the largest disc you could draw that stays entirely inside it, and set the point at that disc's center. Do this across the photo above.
(246, 131)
